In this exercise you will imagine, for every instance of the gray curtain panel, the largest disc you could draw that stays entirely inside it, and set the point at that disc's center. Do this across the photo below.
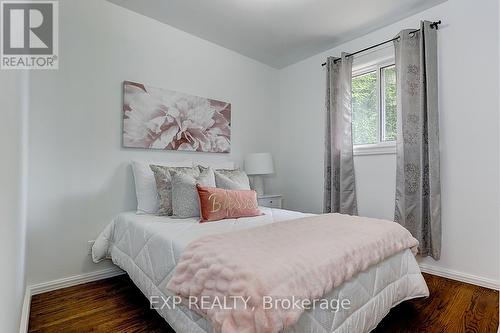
(340, 186)
(418, 189)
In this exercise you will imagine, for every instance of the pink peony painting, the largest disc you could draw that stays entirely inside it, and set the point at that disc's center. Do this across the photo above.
(157, 118)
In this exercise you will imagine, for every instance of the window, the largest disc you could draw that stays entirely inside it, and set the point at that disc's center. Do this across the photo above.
(374, 109)
(388, 75)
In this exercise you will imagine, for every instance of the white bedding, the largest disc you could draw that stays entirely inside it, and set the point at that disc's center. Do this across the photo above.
(148, 248)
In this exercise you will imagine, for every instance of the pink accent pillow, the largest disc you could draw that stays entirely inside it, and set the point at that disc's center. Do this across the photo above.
(217, 204)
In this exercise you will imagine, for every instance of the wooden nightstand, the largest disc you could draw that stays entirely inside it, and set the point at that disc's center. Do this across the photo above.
(270, 200)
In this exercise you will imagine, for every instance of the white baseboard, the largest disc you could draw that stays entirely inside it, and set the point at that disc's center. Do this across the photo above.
(115, 271)
(460, 276)
(25, 312)
(44, 287)
(74, 280)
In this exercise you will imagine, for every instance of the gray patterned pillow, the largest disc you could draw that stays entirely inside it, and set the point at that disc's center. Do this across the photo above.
(185, 202)
(227, 179)
(232, 181)
(163, 180)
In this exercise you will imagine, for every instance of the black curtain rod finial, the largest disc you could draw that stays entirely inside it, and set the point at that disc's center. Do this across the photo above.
(434, 25)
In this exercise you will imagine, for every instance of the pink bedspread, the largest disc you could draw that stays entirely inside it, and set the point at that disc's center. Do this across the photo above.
(305, 258)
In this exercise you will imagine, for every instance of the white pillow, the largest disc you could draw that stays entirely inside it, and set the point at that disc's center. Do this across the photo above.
(145, 185)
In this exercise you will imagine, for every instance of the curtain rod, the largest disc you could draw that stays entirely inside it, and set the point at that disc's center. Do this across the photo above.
(434, 25)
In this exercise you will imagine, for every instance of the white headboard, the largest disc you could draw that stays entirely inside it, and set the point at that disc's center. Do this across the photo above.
(217, 164)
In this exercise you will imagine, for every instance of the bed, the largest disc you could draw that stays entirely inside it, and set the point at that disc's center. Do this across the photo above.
(149, 247)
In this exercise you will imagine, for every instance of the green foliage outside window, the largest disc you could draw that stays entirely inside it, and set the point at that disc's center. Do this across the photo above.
(364, 109)
(389, 74)
(365, 106)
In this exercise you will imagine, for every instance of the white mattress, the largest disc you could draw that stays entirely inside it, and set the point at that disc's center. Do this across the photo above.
(149, 247)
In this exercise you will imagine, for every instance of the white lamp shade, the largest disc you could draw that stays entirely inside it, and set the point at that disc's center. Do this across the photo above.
(259, 164)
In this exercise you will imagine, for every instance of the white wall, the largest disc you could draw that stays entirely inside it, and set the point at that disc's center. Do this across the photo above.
(13, 103)
(469, 127)
(79, 174)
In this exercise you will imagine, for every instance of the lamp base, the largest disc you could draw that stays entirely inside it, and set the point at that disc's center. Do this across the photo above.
(258, 184)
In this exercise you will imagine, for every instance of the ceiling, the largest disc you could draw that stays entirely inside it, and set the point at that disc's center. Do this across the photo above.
(277, 32)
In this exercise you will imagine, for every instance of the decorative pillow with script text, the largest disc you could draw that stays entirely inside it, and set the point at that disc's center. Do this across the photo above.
(217, 204)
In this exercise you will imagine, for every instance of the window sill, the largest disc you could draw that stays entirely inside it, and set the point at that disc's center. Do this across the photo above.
(384, 148)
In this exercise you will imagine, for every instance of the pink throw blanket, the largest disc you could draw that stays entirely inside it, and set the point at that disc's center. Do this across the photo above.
(305, 258)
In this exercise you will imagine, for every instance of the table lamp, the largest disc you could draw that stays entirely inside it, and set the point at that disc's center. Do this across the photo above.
(257, 165)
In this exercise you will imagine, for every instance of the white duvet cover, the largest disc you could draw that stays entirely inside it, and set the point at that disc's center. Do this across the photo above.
(149, 247)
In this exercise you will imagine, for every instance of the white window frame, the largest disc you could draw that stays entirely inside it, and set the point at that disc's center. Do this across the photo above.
(381, 147)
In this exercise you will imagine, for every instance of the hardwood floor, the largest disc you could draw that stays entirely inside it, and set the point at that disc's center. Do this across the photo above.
(451, 307)
(116, 305)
